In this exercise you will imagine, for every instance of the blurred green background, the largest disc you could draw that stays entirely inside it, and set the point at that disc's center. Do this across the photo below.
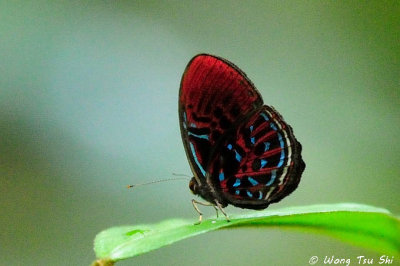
(88, 104)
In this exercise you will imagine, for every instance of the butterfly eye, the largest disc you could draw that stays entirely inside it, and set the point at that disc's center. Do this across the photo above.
(193, 186)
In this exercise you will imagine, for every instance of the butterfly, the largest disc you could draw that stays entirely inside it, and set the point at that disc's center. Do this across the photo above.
(241, 152)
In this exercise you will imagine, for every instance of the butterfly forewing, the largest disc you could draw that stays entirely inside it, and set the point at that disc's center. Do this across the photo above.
(214, 95)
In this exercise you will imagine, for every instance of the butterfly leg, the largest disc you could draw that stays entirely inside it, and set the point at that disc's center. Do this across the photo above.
(216, 210)
(195, 202)
(223, 212)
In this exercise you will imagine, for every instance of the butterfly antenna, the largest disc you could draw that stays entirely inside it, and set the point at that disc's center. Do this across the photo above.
(157, 181)
(175, 174)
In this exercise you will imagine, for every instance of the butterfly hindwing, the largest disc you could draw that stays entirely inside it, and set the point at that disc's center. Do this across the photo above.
(214, 95)
(259, 162)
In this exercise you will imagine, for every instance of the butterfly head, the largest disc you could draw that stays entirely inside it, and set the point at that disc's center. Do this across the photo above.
(193, 186)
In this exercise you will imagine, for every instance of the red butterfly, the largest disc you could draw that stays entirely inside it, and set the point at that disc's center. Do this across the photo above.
(241, 152)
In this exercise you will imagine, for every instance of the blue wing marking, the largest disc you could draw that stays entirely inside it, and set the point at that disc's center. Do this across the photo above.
(265, 116)
(273, 177)
(252, 181)
(237, 183)
(249, 194)
(238, 157)
(263, 163)
(260, 195)
(198, 136)
(196, 160)
(282, 144)
(221, 176)
(267, 144)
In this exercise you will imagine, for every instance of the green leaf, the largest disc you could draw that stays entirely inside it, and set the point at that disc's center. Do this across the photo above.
(361, 225)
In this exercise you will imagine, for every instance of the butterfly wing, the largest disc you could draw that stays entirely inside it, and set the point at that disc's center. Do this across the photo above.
(260, 163)
(214, 95)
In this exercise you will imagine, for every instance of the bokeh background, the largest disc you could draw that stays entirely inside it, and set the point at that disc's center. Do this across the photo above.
(88, 104)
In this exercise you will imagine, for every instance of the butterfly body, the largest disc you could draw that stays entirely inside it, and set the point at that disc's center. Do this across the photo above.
(241, 152)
